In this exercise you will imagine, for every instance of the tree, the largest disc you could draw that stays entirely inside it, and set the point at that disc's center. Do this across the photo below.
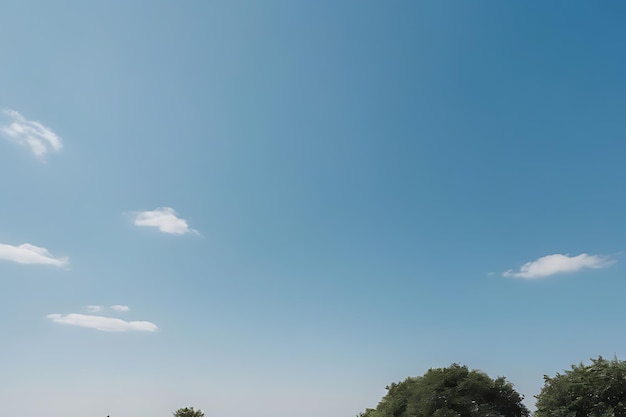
(187, 412)
(598, 389)
(454, 391)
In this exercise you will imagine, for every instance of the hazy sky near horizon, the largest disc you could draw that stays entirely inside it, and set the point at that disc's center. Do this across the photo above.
(280, 207)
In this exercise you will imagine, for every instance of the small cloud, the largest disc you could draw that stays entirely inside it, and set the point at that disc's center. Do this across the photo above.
(39, 138)
(558, 264)
(165, 219)
(94, 309)
(31, 254)
(105, 324)
(120, 308)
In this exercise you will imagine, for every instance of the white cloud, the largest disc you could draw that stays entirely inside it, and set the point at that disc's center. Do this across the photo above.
(120, 308)
(165, 219)
(94, 309)
(105, 324)
(30, 254)
(557, 264)
(39, 138)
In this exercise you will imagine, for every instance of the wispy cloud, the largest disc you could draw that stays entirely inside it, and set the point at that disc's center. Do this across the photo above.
(558, 264)
(117, 307)
(39, 138)
(105, 324)
(30, 254)
(165, 219)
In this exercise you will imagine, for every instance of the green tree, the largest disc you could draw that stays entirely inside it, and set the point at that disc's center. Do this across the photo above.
(598, 389)
(454, 391)
(187, 412)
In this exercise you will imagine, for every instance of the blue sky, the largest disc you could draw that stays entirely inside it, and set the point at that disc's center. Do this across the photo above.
(293, 204)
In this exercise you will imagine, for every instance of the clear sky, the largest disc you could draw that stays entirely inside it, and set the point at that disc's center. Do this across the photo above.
(291, 204)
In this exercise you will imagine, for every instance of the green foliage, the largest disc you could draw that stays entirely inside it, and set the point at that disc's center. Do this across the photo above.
(188, 412)
(454, 391)
(596, 390)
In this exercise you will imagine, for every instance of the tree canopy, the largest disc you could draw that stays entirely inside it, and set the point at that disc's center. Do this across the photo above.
(187, 412)
(454, 391)
(598, 389)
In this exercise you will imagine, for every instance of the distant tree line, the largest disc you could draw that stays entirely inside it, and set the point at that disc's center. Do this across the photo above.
(594, 390)
(187, 412)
